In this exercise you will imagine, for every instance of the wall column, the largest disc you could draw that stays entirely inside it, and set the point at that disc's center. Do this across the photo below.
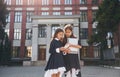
(48, 40)
(34, 43)
(61, 26)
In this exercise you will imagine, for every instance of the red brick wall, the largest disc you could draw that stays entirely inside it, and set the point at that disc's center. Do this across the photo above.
(38, 4)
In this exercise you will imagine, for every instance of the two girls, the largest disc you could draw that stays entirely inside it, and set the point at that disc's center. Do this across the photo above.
(57, 63)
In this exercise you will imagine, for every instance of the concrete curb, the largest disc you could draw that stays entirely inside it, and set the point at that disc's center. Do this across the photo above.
(113, 67)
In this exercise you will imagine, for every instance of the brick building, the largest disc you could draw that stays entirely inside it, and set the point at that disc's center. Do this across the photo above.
(31, 24)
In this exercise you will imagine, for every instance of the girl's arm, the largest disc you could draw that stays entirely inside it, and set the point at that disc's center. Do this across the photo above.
(75, 46)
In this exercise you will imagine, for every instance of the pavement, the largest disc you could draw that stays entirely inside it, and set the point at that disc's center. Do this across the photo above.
(38, 71)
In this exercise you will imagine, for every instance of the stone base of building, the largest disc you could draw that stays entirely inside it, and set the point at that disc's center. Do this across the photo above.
(34, 63)
(81, 63)
(40, 63)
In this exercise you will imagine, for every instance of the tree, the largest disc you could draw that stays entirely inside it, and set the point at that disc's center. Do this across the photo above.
(3, 13)
(108, 19)
(3, 16)
(6, 50)
(4, 40)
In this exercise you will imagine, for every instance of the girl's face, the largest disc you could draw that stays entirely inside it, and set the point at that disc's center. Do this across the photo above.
(60, 35)
(68, 33)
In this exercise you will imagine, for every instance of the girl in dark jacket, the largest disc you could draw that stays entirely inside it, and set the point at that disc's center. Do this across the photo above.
(55, 66)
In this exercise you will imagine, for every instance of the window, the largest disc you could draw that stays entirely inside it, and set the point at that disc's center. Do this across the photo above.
(56, 13)
(96, 52)
(29, 14)
(67, 2)
(68, 13)
(15, 52)
(17, 34)
(83, 33)
(83, 1)
(8, 2)
(83, 16)
(42, 33)
(94, 2)
(94, 15)
(45, 2)
(84, 52)
(94, 31)
(28, 34)
(45, 13)
(54, 27)
(18, 2)
(28, 52)
(30, 2)
(18, 17)
(7, 31)
(8, 18)
(56, 2)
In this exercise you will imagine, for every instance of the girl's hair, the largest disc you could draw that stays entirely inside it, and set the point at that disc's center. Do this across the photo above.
(68, 27)
(57, 31)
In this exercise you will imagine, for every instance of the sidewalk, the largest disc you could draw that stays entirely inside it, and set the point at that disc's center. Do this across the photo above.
(112, 67)
(38, 71)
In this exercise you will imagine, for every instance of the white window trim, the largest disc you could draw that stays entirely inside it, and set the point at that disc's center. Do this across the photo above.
(30, 2)
(8, 2)
(19, 2)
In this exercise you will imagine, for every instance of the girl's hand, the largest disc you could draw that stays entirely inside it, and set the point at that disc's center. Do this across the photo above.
(62, 49)
(71, 45)
(66, 46)
(67, 50)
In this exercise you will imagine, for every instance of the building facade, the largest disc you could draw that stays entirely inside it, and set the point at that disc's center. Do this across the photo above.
(31, 24)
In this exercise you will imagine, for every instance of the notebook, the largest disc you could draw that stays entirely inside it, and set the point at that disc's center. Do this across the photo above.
(73, 41)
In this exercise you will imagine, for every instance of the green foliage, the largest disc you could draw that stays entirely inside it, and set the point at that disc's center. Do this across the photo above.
(108, 18)
(5, 45)
(5, 54)
(3, 13)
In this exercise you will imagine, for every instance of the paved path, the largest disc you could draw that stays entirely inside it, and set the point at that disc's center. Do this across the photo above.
(38, 71)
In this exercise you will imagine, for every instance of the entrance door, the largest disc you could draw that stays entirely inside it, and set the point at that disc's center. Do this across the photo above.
(42, 52)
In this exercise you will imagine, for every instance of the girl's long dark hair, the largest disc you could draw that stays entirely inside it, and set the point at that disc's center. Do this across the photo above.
(68, 27)
(56, 32)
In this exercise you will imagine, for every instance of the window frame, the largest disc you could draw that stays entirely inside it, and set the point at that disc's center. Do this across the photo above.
(8, 2)
(28, 34)
(83, 2)
(8, 18)
(56, 13)
(30, 2)
(15, 51)
(18, 17)
(29, 14)
(83, 16)
(95, 2)
(7, 31)
(19, 2)
(17, 34)
(56, 2)
(84, 33)
(68, 2)
(45, 13)
(42, 31)
(53, 28)
(68, 13)
(45, 2)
